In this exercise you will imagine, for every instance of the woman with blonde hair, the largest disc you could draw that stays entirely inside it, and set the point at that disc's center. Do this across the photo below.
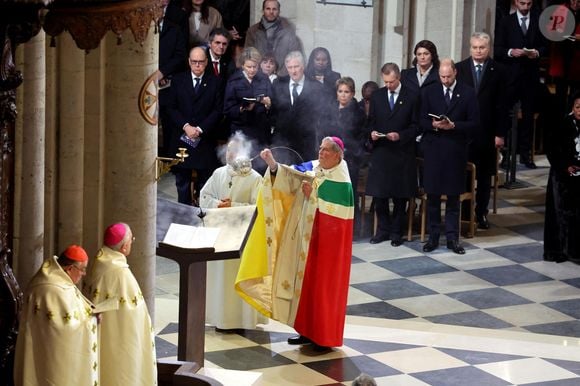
(247, 99)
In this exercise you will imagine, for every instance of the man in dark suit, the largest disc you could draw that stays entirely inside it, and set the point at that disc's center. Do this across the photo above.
(195, 109)
(392, 168)
(444, 145)
(220, 64)
(172, 60)
(490, 81)
(297, 105)
(519, 44)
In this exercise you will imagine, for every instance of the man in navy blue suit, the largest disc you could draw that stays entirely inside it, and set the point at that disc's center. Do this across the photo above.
(195, 109)
(490, 81)
(392, 167)
(445, 141)
(519, 44)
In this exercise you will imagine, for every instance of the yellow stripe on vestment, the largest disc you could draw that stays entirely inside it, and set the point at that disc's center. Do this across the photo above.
(250, 283)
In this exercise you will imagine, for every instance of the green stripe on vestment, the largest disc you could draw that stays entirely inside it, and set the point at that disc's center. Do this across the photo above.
(339, 193)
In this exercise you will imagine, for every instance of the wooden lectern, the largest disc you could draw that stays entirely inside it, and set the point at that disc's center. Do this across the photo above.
(234, 224)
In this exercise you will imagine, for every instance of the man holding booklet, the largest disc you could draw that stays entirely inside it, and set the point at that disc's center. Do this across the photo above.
(449, 118)
(393, 167)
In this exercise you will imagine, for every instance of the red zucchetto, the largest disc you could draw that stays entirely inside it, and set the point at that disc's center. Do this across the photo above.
(76, 253)
(339, 142)
(114, 234)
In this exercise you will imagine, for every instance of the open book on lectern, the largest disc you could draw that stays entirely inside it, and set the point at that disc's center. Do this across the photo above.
(190, 237)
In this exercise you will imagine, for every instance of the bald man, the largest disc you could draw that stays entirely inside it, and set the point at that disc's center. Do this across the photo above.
(444, 146)
(195, 108)
(127, 339)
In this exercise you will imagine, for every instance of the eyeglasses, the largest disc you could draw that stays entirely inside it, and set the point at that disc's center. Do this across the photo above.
(82, 270)
(197, 62)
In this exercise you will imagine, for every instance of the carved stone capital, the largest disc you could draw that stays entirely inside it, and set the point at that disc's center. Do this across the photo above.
(88, 22)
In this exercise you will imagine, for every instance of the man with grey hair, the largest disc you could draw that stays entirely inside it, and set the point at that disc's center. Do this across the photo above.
(490, 81)
(297, 106)
(293, 269)
(273, 34)
(127, 356)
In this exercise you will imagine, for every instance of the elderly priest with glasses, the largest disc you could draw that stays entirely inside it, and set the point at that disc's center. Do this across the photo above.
(57, 341)
(295, 267)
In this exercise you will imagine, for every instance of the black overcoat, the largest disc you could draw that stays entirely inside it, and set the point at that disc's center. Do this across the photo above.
(445, 151)
(493, 110)
(562, 221)
(296, 125)
(409, 78)
(393, 167)
(203, 109)
(253, 123)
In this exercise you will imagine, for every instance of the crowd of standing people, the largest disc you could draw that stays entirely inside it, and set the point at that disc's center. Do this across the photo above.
(443, 112)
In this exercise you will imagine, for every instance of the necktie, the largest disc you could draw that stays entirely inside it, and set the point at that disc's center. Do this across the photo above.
(294, 92)
(216, 68)
(477, 75)
(448, 96)
(196, 85)
(524, 27)
(392, 100)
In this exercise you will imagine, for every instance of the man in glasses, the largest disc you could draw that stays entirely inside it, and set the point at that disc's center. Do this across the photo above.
(127, 340)
(196, 109)
(57, 341)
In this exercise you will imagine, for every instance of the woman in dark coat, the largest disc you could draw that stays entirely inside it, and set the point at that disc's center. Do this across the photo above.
(562, 223)
(425, 71)
(247, 99)
(344, 119)
(319, 68)
(425, 67)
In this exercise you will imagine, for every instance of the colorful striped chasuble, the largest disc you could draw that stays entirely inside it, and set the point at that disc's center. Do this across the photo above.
(295, 267)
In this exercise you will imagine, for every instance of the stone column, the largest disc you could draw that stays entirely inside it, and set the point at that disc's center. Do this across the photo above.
(30, 195)
(94, 149)
(51, 153)
(130, 151)
(71, 97)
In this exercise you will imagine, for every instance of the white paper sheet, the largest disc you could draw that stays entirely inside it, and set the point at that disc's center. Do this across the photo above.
(190, 237)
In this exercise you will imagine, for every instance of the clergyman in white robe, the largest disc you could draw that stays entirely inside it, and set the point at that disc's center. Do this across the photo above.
(224, 308)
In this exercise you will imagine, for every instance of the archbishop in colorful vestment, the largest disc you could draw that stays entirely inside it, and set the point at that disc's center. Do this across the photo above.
(295, 267)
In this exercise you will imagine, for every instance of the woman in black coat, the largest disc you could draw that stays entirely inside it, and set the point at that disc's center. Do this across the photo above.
(247, 99)
(345, 120)
(425, 67)
(319, 68)
(562, 223)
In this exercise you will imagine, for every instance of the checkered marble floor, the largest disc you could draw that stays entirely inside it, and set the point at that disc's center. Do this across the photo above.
(498, 315)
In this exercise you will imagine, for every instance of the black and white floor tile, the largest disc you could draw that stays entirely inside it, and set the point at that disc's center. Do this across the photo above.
(498, 315)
